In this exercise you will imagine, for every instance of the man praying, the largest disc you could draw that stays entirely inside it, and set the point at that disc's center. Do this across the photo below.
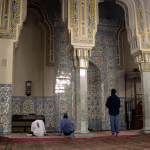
(66, 126)
(37, 128)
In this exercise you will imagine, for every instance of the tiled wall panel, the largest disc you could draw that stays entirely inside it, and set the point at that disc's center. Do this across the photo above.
(5, 109)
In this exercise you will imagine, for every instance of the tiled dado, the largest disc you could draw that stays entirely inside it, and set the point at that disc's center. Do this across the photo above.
(46, 106)
(5, 109)
(23, 105)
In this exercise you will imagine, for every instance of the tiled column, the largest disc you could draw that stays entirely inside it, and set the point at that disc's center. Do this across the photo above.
(6, 62)
(81, 63)
(143, 60)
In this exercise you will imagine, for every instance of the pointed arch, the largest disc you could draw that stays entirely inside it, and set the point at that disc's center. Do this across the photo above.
(49, 28)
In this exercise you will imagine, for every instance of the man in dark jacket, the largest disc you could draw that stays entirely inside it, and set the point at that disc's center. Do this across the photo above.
(113, 104)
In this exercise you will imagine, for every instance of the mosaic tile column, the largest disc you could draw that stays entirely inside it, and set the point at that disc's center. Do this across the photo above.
(81, 63)
(63, 84)
(5, 109)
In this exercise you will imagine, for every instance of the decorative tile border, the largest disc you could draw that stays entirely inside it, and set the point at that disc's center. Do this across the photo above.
(76, 23)
(140, 24)
(5, 109)
(5, 85)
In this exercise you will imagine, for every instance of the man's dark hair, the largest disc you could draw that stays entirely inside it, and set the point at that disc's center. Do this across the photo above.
(36, 118)
(65, 116)
(113, 91)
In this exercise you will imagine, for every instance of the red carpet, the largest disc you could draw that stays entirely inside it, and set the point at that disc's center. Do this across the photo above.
(64, 138)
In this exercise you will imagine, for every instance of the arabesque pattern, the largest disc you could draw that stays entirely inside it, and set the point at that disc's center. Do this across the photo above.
(14, 19)
(74, 16)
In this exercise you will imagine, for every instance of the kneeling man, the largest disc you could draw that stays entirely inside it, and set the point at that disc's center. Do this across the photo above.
(66, 126)
(37, 128)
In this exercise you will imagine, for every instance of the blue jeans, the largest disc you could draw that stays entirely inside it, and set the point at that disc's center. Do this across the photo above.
(114, 120)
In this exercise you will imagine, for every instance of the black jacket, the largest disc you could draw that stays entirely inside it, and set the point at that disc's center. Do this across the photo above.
(113, 103)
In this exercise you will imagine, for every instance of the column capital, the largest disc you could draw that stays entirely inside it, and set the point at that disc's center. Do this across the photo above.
(143, 60)
(80, 57)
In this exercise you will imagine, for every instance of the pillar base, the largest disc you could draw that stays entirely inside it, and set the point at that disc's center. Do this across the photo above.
(143, 131)
(81, 135)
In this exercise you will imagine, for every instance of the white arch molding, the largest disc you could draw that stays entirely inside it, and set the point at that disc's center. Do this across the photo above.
(130, 21)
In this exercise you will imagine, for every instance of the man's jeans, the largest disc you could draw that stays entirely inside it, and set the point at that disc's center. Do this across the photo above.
(114, 120)
(68, 133)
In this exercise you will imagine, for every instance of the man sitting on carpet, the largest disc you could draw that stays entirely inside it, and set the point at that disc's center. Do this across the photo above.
(66, 126)
(37, 128)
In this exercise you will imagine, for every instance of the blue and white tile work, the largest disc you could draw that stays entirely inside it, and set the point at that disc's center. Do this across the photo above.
(102, 77)
(122, 122)
(5, 109)
(24, 105)
(63, 87)
(93, 94)
(49, 111)
(106, 49)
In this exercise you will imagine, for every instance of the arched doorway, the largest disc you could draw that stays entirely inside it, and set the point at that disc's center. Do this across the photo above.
(34, 61)
(93, 94)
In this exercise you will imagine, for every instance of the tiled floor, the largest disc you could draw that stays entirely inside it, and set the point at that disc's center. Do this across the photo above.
(96, 134)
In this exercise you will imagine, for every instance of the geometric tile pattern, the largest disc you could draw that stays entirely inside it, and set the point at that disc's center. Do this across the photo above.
(20, 105)
(63, 87)
(5, 109)
(49, 110)
(23, 105)
(28, 106)
(122, 122)
(94, 97)
(106, 31)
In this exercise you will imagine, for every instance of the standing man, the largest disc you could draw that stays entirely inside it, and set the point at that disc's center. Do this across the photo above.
(37, 128)
(113, 104)
(66, 126)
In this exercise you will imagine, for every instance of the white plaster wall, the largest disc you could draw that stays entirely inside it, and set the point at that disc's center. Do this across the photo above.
(121, 83)
(49, 81)
(128, 58)
(6, 52)
(129, 66)
(29, 61)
